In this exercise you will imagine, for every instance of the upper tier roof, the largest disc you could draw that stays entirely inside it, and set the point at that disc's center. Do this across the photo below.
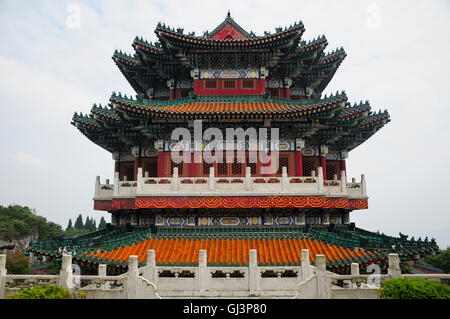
(283, 54)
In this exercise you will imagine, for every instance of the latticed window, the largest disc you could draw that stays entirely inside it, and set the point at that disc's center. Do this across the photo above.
(283, 162)
(206, 167)
(229, 84)
(308, 166)
(236, 168)
(129, 172)
(253, 166)
(151, 168)
(210, 84)
(180, 168)
(222, 169)
(248, 84)
(332, 169)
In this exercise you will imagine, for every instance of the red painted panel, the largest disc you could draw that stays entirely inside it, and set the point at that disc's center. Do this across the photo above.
(259, 88)
(103, 205)
(228, 32)
(298, 163)
(162, 164)
(123, 203)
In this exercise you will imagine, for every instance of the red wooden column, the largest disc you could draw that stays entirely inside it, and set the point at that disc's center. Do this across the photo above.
(162, 159)
(194, 168)
(299, 145)
(171, 86)
(287, 95)
(162, 163)
(287, 85)
(136, 151)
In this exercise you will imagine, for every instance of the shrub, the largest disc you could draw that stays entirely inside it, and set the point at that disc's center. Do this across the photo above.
(17, 263)
(413, 288)
(42, 292)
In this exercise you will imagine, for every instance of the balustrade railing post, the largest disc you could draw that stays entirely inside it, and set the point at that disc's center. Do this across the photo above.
(343, 182)
(323, 282)
(132, 274)
(102, 273)
(394, 266)
(175, 180)
(253, 276)
(354, 271)
(320, 180)
(2, 275)
(116, 184)
(97, 186)
(150, 269)
(66, 273)
(284, 179)
(211, 180)
(140, 181)
(363, 185)
(248, 179)
(202, 271)
(305, 264)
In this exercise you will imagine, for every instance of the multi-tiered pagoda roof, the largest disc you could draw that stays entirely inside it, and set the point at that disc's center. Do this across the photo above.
(230, 77)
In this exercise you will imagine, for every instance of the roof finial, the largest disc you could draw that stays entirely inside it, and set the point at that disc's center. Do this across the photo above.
(228, 15)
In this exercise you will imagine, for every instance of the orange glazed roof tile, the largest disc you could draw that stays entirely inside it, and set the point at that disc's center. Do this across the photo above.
(232, 251)
(209, 105)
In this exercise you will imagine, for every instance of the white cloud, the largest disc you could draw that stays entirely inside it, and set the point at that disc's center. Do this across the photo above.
(29, 160)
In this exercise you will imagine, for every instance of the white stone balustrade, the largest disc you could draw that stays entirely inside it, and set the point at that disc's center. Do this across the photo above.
(230, 186)
(151, 281)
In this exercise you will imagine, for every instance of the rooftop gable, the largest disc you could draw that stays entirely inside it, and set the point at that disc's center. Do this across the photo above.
(229, 30)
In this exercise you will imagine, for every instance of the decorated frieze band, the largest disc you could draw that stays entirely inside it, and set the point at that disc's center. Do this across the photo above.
(249, 73)
(239, 202)
(284, 145)
(129, 157)
(287, 145)
(231, 202)
(300, 219)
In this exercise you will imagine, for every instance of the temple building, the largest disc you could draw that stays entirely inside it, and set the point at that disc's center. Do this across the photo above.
(285, 191)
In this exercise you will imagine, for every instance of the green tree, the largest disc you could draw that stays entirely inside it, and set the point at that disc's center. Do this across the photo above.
(17, 222)
(17, 264)
(69, 226)
(440, 260)
(102, 224)
(79, 222)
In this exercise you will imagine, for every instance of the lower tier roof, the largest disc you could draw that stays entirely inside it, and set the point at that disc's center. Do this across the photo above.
(222, 251)
(229, 246)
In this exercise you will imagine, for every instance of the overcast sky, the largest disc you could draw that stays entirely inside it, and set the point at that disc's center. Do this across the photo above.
(53, 64)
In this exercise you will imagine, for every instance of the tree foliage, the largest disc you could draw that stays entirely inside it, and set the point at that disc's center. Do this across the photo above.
(81, 227)
(17, 263)
(102, 224)
(441, 260)
(79, 222)
(69, 226)
(413, 288)
(17, 222)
